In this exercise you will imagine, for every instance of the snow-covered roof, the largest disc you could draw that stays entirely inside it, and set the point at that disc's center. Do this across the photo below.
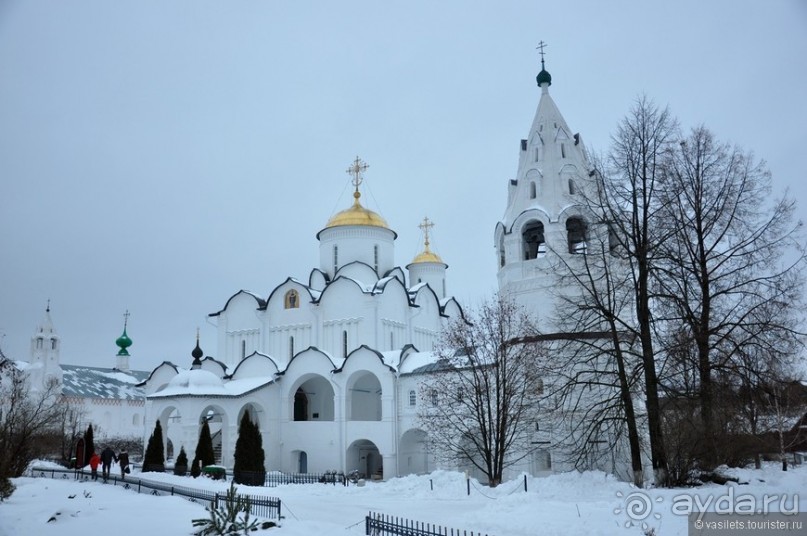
(205, 383)
(418, 362)
(99, 382)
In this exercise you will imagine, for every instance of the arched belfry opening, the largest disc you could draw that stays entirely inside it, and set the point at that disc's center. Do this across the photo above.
(576, 232)
(532, 237)
(364, 398)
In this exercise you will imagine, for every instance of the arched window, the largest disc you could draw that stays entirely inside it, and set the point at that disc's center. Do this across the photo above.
(501, 252)
(335, 259)
(533, 240)
(576, 232)
(53, 344)
(562, 151)
(572, 188)
(291, 347)
(375, 258)
(243, 349)
(39, 342)
(413, 397)
(532, 190)
(344, 344)
(292, 300)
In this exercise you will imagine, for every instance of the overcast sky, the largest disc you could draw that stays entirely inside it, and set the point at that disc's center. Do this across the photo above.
(159, 156)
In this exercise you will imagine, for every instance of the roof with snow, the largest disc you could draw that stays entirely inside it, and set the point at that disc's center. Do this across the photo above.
(100, 382)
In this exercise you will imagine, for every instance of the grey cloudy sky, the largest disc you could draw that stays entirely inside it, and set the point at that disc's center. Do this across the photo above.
(158, 156)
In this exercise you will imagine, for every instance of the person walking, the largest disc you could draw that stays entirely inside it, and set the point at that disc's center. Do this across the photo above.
(107, 455)
(123, 460)
(94, 461)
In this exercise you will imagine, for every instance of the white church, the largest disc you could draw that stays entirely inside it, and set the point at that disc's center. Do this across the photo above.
(329, 367)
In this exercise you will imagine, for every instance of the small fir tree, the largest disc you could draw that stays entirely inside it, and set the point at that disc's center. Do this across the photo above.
(249, 454)
(155, 455)
(204, 451)
(89, 446)
(181, 465)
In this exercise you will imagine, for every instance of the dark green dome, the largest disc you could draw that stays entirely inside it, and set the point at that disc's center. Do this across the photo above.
(544, 78)
(197, 352)
(123, 343)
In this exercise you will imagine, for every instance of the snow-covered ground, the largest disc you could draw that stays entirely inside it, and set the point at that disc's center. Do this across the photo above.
(588, 503)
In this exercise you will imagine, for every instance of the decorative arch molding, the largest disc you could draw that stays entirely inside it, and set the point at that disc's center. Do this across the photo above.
(357, 270)
(260, 303)
(251, 358)
(289, 284)
(534, 213)
(166, 367)
(362, 349)
(341, 280)
(316, 355)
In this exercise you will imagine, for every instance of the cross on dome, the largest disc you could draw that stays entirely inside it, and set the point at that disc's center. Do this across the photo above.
(540, 48)
(356, 169)
(426, 226)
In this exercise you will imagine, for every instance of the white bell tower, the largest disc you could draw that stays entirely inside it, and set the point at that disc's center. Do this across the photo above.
(44, 357)
(545, 224)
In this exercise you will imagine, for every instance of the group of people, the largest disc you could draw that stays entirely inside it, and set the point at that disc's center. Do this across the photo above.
(105, 461)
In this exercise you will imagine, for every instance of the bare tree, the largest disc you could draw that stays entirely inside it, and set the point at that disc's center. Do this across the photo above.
(731, 276)
(480, 404)
(25, 418)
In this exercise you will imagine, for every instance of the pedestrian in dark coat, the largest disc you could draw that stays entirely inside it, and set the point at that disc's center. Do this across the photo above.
(123, 459)
(107, 455)
(94, 461)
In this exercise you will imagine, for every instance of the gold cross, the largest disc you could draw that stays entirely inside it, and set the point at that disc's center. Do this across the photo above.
(356, 170)
(425, 226)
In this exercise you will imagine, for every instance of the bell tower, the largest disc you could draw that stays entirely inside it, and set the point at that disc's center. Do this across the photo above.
(45, 347)
(545, 224)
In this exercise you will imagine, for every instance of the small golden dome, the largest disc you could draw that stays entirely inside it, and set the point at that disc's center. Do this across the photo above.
(357, 215)
(427, 256)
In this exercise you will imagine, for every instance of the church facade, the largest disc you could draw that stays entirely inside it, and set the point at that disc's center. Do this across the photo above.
(326, 367)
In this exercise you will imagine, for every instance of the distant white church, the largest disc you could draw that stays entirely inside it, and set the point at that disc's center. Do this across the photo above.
(107, 398)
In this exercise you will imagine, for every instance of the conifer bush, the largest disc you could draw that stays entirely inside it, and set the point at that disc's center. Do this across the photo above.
(204, 451)
(249, 455)
(155, 455)
(181, 465)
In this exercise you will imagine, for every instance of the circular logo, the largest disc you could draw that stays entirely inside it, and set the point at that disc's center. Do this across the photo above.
(637, 507)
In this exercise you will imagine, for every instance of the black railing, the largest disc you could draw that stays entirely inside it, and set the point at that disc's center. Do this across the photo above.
(278, 479)
(383, 525)
(261, 506)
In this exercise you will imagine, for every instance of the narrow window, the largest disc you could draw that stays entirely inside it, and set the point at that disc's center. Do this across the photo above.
(501, 252)
(537, 153)
(335, 259)
(532, 190)
(39, 342)
(375, 258)
(291, 347)
(434, 398)
(53, 344)
(243, 349)
(391, 341)
(562, 151)
(572, 189)
(412, 398)
(444, 288)
(344, 344)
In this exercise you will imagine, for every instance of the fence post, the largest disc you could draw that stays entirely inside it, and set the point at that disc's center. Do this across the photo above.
(431, 484)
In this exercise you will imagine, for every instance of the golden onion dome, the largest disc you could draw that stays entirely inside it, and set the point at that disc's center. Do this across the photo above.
(427, 256)
(357, 215)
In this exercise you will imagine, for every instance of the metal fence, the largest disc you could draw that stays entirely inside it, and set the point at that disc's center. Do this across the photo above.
(383, 525)
(276, 478)
(260, 506)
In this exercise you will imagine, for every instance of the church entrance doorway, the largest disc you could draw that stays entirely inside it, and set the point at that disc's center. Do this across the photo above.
(364, 457)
